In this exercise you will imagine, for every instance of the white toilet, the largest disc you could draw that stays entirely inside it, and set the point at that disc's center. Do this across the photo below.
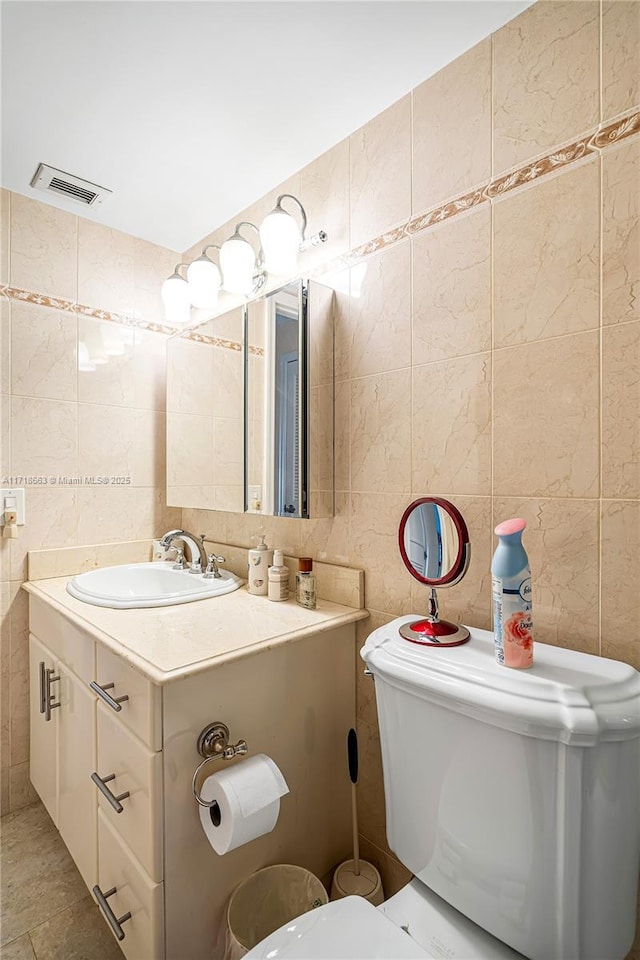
(514, 799)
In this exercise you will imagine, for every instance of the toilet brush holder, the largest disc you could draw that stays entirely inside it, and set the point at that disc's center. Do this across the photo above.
(356, 877)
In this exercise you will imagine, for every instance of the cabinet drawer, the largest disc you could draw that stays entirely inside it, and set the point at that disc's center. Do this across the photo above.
(138, 771)
(71, 644)
(141, 712)
(135, 893)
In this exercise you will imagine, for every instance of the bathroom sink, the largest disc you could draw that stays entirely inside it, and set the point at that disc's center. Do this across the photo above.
(148, 585)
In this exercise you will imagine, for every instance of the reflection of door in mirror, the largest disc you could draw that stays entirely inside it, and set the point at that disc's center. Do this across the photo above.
(205, 415)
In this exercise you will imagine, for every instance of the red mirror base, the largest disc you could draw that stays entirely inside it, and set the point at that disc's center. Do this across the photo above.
(435, 633)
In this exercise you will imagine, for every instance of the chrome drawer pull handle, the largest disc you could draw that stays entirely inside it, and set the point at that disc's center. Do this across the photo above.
(48, 702)
(41, 690)
(114, 922)
(113, 702)
(101, 784)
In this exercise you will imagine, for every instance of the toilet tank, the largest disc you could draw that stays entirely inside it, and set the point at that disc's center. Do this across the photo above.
(515, 794)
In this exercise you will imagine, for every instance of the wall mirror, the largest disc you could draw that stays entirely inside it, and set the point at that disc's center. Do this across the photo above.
(250, 398)
(434, 545)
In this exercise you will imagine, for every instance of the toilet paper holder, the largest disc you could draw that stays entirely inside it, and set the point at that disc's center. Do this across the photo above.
(213, 744)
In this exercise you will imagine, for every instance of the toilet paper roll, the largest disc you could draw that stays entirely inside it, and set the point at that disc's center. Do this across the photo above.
(248, 797)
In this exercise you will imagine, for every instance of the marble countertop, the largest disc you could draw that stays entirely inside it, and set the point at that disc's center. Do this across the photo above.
(166, 643)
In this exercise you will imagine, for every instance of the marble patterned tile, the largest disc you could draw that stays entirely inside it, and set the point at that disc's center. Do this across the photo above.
(105, 268)
(366, 707)
(105, 441)
(380, 313)
(342, 435)
(52, 522)
(380, 172)
(152, 265)
(621, 411)
(452, 289)
(561, 540)
(5, 346)
(451, 446)
(151, 515)
(190, 455)
(620, 560)
(149, 370)
(47, 564)
(621, 234)
(228, 451)
(38, 878)
(77, 933)
(5, 435)
(105, 361)
(105, 514)
(374, 548)
(227, 396)
(19, 949)
(394, 874)
(21, 792)
(190, 377)
(44, 438)
(5, 215)
(44, 248)
(546, 418)
(381, 434)
(545, 79)
(149, 458)
(328, 538)
(19, 626)
(620, 59)
(43, 352)
(546, 248)
(370, 789)
(456, 98)
(324, 193)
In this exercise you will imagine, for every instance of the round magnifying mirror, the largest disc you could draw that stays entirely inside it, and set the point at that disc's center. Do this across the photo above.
(435, 549)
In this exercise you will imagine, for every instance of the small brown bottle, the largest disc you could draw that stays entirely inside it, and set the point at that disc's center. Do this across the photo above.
(306, 583)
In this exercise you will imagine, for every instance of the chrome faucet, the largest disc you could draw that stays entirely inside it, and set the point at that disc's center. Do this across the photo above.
(197, 552)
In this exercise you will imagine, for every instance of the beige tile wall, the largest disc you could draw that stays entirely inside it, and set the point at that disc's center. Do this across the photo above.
(492, 358)
(60, 421)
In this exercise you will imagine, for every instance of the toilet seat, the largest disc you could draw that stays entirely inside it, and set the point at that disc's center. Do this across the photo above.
(348, 929)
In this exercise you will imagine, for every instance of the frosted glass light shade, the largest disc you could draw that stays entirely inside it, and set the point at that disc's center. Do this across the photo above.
(176, 297)
(204, 282)
(280, 238)
(238, 263)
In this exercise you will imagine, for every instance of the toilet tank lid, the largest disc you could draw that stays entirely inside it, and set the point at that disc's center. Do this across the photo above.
(571, 697)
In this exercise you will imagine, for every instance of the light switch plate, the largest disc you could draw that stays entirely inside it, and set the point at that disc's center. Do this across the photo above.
(18, 494)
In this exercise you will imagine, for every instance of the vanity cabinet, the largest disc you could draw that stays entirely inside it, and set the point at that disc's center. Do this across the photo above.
(114, 766)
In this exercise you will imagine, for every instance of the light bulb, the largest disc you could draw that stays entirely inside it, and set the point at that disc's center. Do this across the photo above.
(238, 262)
(176, 297)
(204, 282)
(280, 238)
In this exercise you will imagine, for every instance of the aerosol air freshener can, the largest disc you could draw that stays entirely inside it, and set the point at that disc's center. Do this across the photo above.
(511, 583)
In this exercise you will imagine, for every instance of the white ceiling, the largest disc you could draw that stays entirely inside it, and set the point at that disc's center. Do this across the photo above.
(189, 110)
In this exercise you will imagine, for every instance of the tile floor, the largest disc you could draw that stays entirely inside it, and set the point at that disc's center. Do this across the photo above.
(47, 912)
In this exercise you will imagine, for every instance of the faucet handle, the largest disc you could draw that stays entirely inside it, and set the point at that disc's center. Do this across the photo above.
(212, 567)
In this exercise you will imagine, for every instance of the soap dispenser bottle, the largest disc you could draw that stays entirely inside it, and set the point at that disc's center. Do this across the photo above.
(260, 559)
(511, 583)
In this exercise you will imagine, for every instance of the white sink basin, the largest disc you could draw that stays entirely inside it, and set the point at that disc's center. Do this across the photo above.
(148, 585)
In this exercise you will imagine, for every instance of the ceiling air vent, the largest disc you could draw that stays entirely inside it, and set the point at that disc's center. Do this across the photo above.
(66, 185)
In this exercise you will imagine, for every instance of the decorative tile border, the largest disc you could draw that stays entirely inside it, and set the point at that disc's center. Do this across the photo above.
(593, 143)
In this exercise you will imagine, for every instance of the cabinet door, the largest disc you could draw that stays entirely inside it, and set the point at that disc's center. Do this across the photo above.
(43, 763)
(77, 808)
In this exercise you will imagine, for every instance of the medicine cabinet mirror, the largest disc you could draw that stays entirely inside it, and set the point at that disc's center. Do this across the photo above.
(250, 398)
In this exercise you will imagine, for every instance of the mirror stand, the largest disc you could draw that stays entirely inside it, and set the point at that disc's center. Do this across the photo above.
(433, 630)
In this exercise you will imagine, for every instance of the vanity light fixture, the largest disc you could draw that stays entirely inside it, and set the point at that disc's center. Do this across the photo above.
(204, 279)
(176, 297)
(242, 269)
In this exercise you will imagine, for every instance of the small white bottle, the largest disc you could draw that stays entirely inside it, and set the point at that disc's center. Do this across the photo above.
(260, 559)
(278, 578)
